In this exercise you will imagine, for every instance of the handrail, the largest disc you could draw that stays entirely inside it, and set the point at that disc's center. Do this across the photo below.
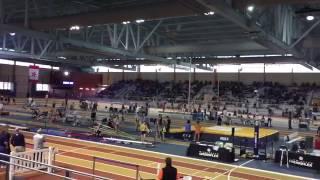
(57, 167)
(119, 162)
(14, 164)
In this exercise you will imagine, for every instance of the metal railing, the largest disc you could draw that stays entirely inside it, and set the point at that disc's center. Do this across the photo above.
(91, 176)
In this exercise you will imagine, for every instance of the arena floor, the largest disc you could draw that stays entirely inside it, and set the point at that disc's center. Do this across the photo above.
(79, 154)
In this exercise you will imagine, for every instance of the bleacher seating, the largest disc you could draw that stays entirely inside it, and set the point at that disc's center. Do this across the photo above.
(268, 93)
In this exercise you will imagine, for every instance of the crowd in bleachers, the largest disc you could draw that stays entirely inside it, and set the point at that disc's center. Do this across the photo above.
(148, 90)
(268, 93)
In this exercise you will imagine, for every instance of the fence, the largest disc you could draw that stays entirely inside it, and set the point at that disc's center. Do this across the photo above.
(116, 162)
(44, 156)
(28, 163)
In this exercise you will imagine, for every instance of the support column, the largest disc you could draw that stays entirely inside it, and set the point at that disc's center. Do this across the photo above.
(292, 76)
(122, 74)
(1, 12)
(214, 82)
(139, 73)
(174, 73)
(194, 74)
(264, 73)
(156, 75)
(26, 14)
(189, 88)
(14, 79)
(108, 77)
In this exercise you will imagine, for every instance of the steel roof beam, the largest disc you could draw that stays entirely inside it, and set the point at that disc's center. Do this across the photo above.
(258, 34)
(245, 60)
(152, 11)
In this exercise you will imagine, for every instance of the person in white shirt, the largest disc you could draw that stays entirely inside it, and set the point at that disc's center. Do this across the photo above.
(38, 140)
(1, 106)
(29, 101)
(46, 98)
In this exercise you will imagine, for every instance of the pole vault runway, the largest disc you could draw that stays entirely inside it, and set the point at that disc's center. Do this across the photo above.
(79, 155)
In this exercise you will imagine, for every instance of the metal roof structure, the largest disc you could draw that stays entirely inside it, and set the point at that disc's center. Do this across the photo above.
(85, 33)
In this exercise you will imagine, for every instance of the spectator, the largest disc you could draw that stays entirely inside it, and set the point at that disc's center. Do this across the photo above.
(117, 123)
(137, 124)
(4, 146)
(144, 130)
(8, 136)
(168, 172)
(18, 141)
(264, 121)
(269, 121)
(46, 100)
(93, 115)
(38, 140)
(197, 132)
(187, 131)
(168, 124)
(219, 121)
(162, 133)
(1, 106)
(290, 120)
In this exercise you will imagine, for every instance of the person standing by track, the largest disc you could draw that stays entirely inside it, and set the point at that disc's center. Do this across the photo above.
(197, 131)
(18, 141)
(168, 172)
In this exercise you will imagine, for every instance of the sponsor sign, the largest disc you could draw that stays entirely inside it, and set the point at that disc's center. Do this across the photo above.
(209, 153)
(33, 73)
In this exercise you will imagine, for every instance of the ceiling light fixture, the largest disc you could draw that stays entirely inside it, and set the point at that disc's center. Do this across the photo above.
(139, 21)
(126, 22)
(210, 13)
(310, 18)
(75, 28)
(12, 34)
(250, 8)
(66, 73)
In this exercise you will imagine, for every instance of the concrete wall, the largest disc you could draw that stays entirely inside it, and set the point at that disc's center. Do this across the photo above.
(19, 75)
(247, 78)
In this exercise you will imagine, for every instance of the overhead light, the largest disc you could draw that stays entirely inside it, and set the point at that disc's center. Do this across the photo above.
(75, 28)
(89, 26)
(210, 13)
(126, 22)
(66, 73)
(139, 21)
(310, 18)
(169, 57)
(12, 34)
(250, 8)
(62, 57)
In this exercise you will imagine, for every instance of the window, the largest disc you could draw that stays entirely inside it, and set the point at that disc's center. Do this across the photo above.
(42, 87)
(67, 83)
(43, 66)
(19, 63)
(5, 61)
(6, 86)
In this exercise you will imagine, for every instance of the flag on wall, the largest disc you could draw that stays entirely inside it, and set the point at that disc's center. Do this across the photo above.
(33, 73)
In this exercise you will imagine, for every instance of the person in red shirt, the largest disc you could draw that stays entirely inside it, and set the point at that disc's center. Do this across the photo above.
(168, 172)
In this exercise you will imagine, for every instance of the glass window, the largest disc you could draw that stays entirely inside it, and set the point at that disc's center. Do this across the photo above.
(42, 87)
(6, 86)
